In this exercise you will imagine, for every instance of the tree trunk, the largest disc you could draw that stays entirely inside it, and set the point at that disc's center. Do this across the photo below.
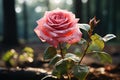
(10, 28)
(25, 17)
(88, 11)
(78, 9)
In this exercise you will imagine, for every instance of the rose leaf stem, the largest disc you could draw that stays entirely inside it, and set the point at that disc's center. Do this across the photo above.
(84, 53)
(61, 53)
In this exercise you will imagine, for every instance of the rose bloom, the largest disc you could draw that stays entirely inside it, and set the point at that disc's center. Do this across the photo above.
(58, 26)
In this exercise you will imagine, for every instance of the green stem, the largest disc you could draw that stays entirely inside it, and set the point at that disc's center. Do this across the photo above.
(88, 42)
(84, 52)
(61, 53)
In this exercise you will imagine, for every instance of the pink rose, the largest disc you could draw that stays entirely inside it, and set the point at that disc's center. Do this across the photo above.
(58, 26)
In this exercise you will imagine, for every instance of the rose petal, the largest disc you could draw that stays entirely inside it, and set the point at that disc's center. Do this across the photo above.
(64, 30)
(67, 25)
(48, 27)
(75, 37)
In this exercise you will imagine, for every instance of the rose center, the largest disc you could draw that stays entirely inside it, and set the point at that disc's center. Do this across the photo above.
(57, 18)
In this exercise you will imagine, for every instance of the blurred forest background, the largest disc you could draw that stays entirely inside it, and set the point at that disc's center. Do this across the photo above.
(18, 17)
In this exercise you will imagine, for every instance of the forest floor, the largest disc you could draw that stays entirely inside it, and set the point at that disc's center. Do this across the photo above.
(38, 68)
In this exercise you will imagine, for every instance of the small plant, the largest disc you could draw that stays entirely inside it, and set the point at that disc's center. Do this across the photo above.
(61, 29)
(27, 55)
(12, 58)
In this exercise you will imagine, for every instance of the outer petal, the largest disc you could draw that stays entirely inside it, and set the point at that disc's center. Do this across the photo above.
(45, 38)
(75, 38)
(39, 33)
(45, 34)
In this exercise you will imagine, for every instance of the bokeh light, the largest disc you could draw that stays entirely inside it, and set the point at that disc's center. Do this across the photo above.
(69, 2)
(84, 1)
(18, 9)
(38, 9)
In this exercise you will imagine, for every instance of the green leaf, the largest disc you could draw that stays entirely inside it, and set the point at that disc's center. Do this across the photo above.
(78, 52)
(30, 55)
(25, 58)
(72, 57)
(108, 37)
(13, 62)
(9, 54)
(55, 72)
(85, 27)
(82, 45)
(96, 37)
(64, 51)
(61, 66)
(48, 77)
(28, 50)
(80, 71)
(97, 44)
(65, 48)
(49, 53)
(104, 57)
(82, 41)
(22, 58)
(68, 46)
(55, 59)
(64, 65)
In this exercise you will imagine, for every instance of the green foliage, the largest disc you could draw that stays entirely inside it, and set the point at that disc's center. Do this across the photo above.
(72, 57)
(82, 45)
(67, 46)
(62, 67)
(103, 56)
(69, 64)
(78, 52)
(8, 55)
(56, 73)
(25, 58)
(55, 59)
(13, 58)
(82, 41)
(28, 50)
(80, 71)
(97, 44)
(27, 55)
(108, 37)
(13, 61)
(49, 53)
(48, 77)
(85, 27)
(22, 58)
